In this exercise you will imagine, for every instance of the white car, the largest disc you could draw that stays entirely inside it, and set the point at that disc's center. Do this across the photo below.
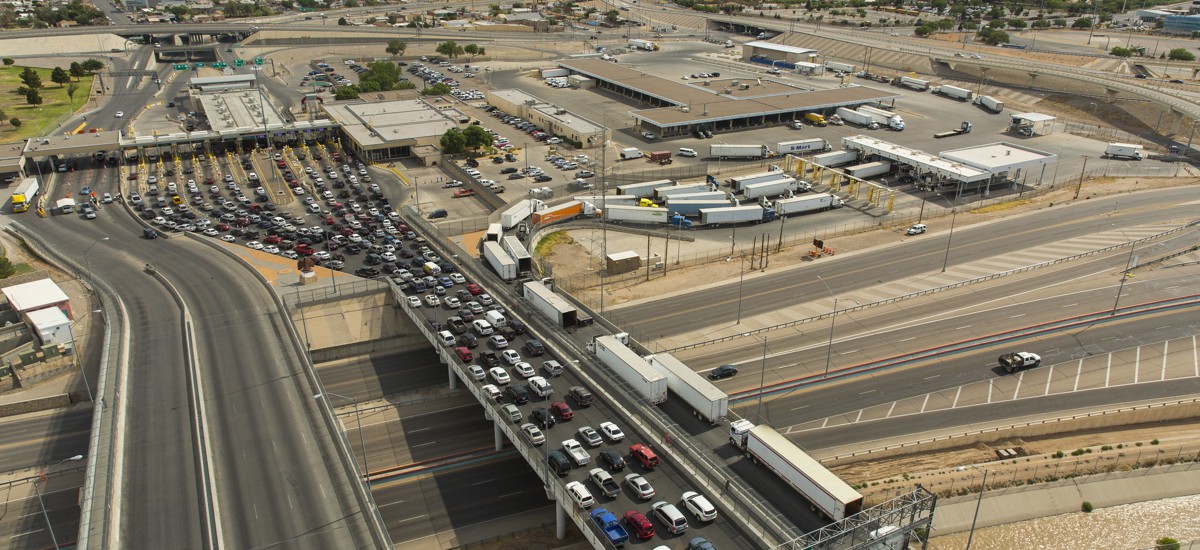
(580, 494)
(699, 506)
(271, 249)
(485, 299)
(120, 114)
(414, 301)
(533, 433)
(588, 435)
(611, 431)
(640, 486)
(254, 245)
(211, 232)
(525, 370)
(489, 389)
(511, 356)
(458, 278)
(499, 375)
(432, 300)
(498, 342)
(476, 372)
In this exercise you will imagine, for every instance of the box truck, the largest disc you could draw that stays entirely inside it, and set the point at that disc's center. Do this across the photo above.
(517, 252)
(708, 403)
(730, 151)
(887, 118)
(816, 119)
(806, 203)
(770, 188)
(505, 266)
(551, 305)
(953, 92)
(802, 147)
(736, 214)
(647, 382)
(992, 104)
(636, 214)
(659, 156)
(870, 169)
(814, 482)
(1123, 151)
(518, 212)
(740, 182)
(643, 189)
(835, 158)
(855, 117)
(631, 153)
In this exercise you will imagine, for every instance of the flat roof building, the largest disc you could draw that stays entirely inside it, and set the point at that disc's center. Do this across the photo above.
(555, 120)
(40, 294)
(390, 129)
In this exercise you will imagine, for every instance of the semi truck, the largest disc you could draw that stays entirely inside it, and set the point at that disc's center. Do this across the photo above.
(517, 252)
(835, 158)
(505, 266)
(740, 182)
(662, 193)
(494, 232)
(736, 214)
(843, 67)
(517, 213)
(636, 214)
(770, 188)
(832, 496)
(806, 203)
(912, 83)
(25, 194)
(870, 169)
(551, 305)
(992, 104)
(1113, 151)
(564, 211)
(1013, 362)
(730, 151)
(629, 153)
(816, 119)
(600, 201)
(644, 45)
(953, 92)
(888, 118)
(704, 195)
(708, 403)
(855, 117)
(692, 207)
(802, 146)
(643, 189)
(964, 128)
(647, 382)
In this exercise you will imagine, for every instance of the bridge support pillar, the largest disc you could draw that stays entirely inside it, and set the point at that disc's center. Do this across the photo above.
(560, 522)
(1176, 121)
(498, 435)
(453, 377)
(1110, 95)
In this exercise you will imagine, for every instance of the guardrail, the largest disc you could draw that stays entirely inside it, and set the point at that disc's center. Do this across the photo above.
(928, 291)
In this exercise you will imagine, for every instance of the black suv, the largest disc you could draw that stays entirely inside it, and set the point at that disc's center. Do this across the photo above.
(558, 462)
(517, 326)
(518, 393)
(534, 347)
(581, 395)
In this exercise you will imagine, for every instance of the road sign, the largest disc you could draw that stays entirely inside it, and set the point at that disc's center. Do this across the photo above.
(181, 66)
(238, 62)
(198, 66)
(258, 61)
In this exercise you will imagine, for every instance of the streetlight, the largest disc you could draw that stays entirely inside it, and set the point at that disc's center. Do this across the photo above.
(741, 277)
(832, 323)
(79, 364)
(42, 503)
(358, 420)
(978, 502)
(88, 266)
(953, 216)
(1124, 272)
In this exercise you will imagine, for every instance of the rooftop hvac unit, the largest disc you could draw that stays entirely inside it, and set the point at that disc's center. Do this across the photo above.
(735, 83)
(686, 109)
(728, 90)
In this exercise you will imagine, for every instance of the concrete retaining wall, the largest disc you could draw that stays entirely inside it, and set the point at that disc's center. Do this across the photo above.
(35, 405)
(371, 346)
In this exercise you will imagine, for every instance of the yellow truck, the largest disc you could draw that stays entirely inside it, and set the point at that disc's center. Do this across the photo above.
(815, 119)
(25, 194)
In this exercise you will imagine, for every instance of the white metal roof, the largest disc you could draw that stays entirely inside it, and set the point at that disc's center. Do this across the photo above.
(1000, 157)
(34, 295)
(778, 47)
(47, 318)
(1034, 117)
(923, 161)
(626, 255)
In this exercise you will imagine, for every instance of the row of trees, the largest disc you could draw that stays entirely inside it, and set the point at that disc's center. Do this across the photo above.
(380, 76)
(473, 137)
(32, 83)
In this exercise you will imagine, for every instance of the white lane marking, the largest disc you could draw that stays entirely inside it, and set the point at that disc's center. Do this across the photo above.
(1048, 379)
(1137, 363)
(1164, 365)
(1078, 375)
(925, 403)
(890, 409)
(1108, 370)
(1017, 390)
(956, 394)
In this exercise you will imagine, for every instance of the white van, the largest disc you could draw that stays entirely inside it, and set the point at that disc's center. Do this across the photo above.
(432, 269)
(496, 319)
(685, 152)
(482, 328)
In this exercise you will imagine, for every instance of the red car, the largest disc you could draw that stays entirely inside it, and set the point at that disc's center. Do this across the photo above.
(474, 289)
(562, 411)
(644, 455)
(461, 193)
(304, 250)
(241, 222)
(329, 220)
(638, 524)
(221, 227)
(133, 176)
(272, 239)
(464, 354)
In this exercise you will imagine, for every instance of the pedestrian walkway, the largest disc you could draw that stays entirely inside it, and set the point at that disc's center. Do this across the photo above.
(892, 289)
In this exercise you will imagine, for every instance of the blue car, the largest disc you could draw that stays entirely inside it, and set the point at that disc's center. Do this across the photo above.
(445, 282)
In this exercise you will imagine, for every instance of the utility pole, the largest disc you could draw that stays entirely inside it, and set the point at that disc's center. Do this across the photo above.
(1082, 171)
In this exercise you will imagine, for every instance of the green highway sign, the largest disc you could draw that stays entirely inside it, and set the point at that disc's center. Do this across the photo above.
(181, 67)
(258, 61)
(198, 66)
(238, 62)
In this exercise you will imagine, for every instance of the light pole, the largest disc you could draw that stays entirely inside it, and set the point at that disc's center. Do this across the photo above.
(949, 239)
(42, 503)
(741, 277)
(79, 364)
(978, 502)
(88, 266)
(361, 442)
(1124, 272)
(832, 321)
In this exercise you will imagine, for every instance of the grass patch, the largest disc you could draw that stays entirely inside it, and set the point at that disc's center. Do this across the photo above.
(1001, 207)
(549, 241)
(36, 120)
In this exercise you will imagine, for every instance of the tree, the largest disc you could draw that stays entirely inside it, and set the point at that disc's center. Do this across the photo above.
(1166, 543)
(924, 30)
(1122, 52)
(437, 89)
(2, 115)
(342, 22)
(471, 50)
(16, 122)
(453, 141)
(1082, 23)
(1059, 22)
(1017, 23)
(59, 76)
(32, 97)
(31, 78)
(477, 137)
(1181, 54)
(1041, 24)
(396, 47)
(76, 70)
(345, 92)
(612, 16)
(71, 89)
(992, 37)
(450, 49)
(7, 269)
(93, 65)
(9, 61)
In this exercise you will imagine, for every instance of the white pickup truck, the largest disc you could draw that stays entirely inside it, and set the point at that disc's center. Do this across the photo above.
(1012, 362)
(576, 451)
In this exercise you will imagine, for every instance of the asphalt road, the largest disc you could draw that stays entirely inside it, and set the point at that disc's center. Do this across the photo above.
(380, 376)
(679, 313)
(25, 438)
(276, 474)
